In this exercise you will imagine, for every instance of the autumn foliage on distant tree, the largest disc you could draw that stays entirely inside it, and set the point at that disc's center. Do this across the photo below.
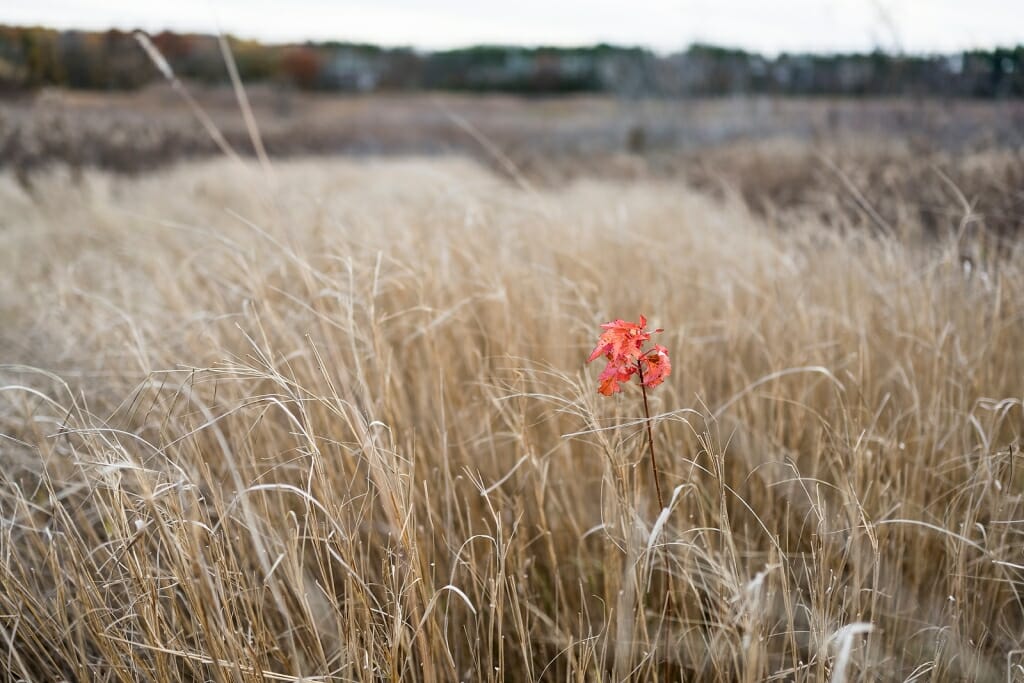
(301, 65)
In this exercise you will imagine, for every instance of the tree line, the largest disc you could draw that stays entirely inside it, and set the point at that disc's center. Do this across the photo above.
(35, 57)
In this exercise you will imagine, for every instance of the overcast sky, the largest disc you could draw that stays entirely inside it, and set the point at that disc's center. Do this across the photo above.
(665, 25)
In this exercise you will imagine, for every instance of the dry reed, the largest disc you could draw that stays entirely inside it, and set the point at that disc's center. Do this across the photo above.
(335, 424)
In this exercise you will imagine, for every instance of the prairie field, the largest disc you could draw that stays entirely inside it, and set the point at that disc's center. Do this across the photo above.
(331, 419)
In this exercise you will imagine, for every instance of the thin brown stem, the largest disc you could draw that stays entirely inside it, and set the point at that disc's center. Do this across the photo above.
(650, 436)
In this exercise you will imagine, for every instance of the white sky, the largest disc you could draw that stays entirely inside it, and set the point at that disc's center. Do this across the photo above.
(666, 25)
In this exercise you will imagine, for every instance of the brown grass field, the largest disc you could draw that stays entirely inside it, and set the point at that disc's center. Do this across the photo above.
(914, 161)
(331, 419)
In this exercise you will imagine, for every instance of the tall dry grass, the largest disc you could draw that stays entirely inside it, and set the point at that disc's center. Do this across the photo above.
(334, 423)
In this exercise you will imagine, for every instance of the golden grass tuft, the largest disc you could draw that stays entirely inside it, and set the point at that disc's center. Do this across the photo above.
(334, 423)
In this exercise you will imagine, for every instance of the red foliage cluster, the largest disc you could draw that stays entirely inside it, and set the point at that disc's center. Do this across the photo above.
(622, 344)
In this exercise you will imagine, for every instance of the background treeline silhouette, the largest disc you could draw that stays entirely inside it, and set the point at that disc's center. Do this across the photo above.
(33, 57)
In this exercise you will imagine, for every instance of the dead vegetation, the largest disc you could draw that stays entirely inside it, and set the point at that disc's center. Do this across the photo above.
(879, 163)
(333, 422)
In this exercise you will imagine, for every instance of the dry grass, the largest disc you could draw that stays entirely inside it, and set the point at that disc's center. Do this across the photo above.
(335, 423)
(892, 186)
(811, 155)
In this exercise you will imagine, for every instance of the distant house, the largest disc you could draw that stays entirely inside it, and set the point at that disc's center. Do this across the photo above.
(351, 68)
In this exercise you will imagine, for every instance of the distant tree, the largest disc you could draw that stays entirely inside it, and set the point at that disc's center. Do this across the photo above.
(33, 57)
(41, 57)
(402, 69)
(255, 61)
(301, 66)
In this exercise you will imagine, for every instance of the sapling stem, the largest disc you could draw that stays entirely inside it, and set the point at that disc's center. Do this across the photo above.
(650, 435)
